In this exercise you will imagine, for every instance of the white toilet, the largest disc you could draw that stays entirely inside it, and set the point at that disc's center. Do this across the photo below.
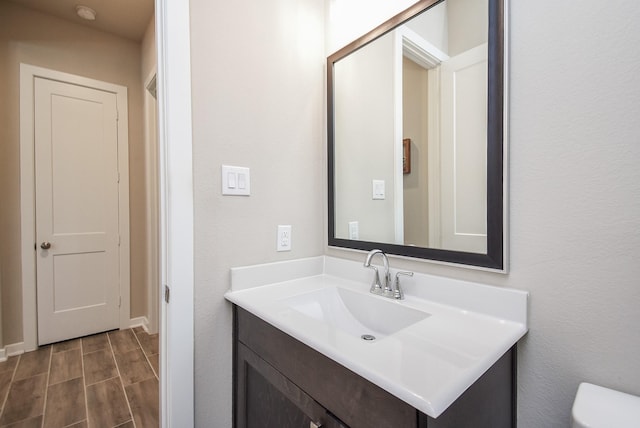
(598, 407)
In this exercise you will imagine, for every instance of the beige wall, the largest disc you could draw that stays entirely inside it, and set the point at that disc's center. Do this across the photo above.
(148, 49)
(257, 102)
(467, 24)
(414, 126)
(364, 141)
(37, 39)
(148, 66)
(7, 172)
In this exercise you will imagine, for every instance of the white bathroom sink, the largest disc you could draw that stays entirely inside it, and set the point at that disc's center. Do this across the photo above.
(356, 313)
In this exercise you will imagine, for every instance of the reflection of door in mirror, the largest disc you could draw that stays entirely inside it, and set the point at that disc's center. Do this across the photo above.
(463, 151)
(444, 114)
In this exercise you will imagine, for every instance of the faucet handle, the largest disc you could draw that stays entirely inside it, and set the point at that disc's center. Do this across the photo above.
(397, 291)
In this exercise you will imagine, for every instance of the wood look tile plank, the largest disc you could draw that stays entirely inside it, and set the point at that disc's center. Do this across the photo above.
(128, 424)
(154, 360)
(133, 367)
(67, 345)
(123, 341)
(81, 424)
(148, 342)
(33, 363)
(65, 404)
(9, 365)
(94, 343)
(5, 383)
(143, 398)
(99, 366)
(35, 422)
(25, 399)
(107, 405)
(65, 366)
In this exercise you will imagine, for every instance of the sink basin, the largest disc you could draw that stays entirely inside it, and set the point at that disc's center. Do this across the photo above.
(355, 313)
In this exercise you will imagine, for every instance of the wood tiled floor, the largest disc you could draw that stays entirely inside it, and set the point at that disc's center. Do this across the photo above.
(106, 380)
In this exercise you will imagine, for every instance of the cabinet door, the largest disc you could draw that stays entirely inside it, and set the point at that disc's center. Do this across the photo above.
(267, 399)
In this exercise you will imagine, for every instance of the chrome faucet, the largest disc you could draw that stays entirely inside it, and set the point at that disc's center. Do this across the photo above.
(376, 285)
(384, 287)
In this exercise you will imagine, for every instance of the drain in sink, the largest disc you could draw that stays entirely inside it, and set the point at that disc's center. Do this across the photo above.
(368, 337)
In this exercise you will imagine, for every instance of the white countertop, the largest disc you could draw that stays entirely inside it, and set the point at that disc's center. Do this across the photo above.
(428, 364)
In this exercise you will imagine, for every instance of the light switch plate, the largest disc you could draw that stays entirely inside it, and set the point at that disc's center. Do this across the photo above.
(354, 232)
(377, 189)
(236, 180)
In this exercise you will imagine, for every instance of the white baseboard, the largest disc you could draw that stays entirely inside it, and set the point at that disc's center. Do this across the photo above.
(11, 350)
(139, 322)
(19, 348)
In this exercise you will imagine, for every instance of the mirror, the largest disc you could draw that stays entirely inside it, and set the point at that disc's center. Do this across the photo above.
(415, 129)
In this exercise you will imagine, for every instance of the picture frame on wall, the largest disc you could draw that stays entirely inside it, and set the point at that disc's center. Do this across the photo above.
(406, 156)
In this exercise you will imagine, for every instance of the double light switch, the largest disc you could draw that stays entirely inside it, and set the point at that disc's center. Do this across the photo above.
(236, 180)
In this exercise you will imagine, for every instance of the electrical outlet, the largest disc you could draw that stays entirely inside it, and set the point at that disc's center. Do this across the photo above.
(284, 238)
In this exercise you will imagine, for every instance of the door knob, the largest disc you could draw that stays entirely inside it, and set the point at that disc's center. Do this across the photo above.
(45, 245)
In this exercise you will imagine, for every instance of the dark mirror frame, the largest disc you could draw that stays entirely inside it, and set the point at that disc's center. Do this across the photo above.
(494, 258)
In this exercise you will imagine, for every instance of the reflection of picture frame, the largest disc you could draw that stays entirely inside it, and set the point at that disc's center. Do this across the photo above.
(406, 156)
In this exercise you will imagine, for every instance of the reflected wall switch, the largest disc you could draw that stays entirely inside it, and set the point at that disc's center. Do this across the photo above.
(378, 189)
(236, 180)
(284, 238)
(353, 230)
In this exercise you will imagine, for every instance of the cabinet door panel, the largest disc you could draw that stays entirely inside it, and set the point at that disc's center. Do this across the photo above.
(267, 399)
(269, 408)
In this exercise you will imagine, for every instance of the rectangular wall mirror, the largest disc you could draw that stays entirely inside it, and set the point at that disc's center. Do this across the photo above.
(416, 150)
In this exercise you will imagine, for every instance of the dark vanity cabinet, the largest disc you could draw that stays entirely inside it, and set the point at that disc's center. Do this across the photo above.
(280, 382)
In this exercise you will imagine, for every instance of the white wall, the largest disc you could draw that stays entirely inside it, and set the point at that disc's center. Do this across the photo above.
(574, 197)
(257, 76)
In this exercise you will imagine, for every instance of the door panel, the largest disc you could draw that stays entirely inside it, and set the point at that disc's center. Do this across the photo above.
(76, 157)
(464, 151)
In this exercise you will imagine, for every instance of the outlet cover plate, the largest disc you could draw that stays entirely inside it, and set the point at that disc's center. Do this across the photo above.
(284, 238)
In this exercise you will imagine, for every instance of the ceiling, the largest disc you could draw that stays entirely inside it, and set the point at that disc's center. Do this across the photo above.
(125, 18)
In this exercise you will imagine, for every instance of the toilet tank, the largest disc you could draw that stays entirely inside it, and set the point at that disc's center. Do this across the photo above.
(599, 407)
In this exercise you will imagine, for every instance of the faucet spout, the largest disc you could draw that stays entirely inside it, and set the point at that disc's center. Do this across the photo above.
(377, 286)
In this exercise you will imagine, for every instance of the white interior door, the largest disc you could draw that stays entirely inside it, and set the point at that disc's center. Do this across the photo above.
(463, 151)
(76, 177)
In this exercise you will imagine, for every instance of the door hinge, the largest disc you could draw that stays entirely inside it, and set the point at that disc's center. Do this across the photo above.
(119, 301)
(117, 115)
(118, 240)
(167, 293)
(118, 177)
